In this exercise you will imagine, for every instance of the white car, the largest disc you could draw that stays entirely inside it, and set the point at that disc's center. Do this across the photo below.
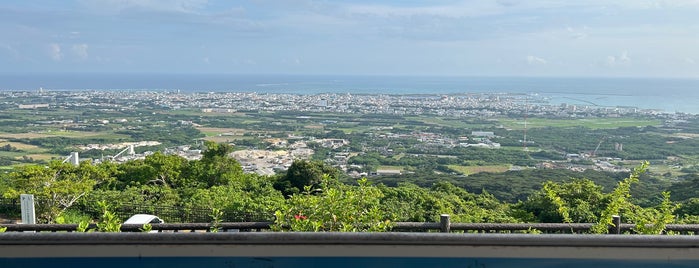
(143, 219)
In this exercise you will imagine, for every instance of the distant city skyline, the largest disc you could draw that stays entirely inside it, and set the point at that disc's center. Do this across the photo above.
(626, 38)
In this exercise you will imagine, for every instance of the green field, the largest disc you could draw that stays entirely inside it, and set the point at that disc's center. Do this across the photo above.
(468, 170)
(593, 123)
(390, 168)
(63, 133)
(448, 122)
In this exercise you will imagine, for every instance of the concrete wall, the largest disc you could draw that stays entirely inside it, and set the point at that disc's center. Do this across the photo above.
(269, 249)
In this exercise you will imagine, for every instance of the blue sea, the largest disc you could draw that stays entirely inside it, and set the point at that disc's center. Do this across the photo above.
(667, 95)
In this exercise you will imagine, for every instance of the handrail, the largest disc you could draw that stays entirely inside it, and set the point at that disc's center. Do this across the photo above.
(396, 227)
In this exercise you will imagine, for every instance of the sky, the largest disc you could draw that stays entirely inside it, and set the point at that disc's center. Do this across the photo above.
(625, 38)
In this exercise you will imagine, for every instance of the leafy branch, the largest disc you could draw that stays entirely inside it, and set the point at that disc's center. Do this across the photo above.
(618, 199)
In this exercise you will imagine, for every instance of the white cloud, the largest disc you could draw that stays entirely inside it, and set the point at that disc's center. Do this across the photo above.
(456, 10)
(689, 61)
(622, 59)
(576, 34)
(80, 51)
(184, 6)
(534, 60)
(293, 61)
(11, 50)
(477, 8)
(55, 52)
(657, 4)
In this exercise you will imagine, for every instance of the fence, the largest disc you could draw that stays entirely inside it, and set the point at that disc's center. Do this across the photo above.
(199, 219)
(11, 208)
(443, 226)
(179, 214)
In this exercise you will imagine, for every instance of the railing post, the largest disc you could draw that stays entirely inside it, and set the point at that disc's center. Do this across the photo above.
(27, 207)
(444, 223)
(615, 228)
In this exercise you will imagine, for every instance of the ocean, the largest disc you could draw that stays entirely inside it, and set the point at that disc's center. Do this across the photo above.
(667, 95)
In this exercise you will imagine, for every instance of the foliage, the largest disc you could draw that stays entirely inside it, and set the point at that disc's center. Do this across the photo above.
(688, 207)
(579, 200)
(146, 198)
(146, 228)
(467, 207)
(108, 222)
(3, 229)
(55, 187)
(343, 208)
(302, 174)
(72, 215)
(686, 188)
(215, 167)
(83, 227)
(216, 215)
(557, 201)
(618, 200)
(155, 169)
(653, 220)
(249, 194)
(513, 186)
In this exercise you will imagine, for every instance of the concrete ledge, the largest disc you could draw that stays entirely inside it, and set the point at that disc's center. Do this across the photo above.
(274, 238)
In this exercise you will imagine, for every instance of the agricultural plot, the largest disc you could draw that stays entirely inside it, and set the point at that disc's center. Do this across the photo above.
(469, 170)
(592, 123)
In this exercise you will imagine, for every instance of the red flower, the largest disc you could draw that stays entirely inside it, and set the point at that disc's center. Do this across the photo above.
(300, 217)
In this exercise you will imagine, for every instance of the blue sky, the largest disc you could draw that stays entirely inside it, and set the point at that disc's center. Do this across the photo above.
(437, 37)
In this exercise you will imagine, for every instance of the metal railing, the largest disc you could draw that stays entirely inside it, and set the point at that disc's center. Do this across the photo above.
(178, 213)
(445, 225)
(11, 207)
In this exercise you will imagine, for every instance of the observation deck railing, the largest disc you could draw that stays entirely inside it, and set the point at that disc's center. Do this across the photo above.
(443, 226)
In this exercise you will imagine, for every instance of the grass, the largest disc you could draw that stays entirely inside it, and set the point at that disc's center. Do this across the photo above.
(447, 122)
(390, 168)
(21, 146)
(62, 133)
(592, 123)
(12, 154)
(442, 122)
(226, 139)
(43, 156)
(681, 135)
(215, 131)
(35, 156)
(468, 170)
(28, 150)
(198, 112)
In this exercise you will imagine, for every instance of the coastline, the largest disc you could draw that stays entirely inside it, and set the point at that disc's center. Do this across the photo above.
(663, 94)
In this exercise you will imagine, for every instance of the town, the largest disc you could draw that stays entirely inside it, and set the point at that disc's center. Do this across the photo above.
(270, 131)
(453, 105)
